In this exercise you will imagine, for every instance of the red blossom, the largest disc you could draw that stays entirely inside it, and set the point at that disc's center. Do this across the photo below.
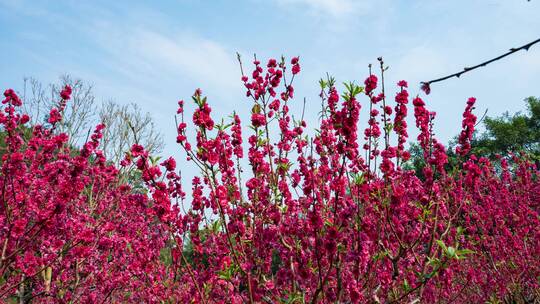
(65, 94)
(299, 215)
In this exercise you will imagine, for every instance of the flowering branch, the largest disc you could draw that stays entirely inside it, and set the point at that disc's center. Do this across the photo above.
(318, 223)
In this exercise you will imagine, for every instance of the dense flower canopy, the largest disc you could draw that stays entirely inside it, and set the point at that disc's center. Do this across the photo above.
(332, 217)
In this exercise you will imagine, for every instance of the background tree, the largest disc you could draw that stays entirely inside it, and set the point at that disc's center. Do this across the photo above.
(79, 115)
(512, 133)
(123, 122)
(83, 112)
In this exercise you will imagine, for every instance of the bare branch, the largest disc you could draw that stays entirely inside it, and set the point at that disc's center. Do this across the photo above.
(120, 120)
(468, 69)
(79, 114)
(79, 117)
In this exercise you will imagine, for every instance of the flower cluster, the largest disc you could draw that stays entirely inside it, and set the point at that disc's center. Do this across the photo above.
(314, 220)
(70, 231)
(469, 121)
(326, 218)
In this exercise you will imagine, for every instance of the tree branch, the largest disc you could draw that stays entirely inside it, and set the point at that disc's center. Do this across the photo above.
(426, 84)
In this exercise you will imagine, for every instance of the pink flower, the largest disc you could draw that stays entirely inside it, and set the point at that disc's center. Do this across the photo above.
(54, 116)
(169, 164)
(296, 69)
(137, 150)
(370, 83)
(66, 93)
(258, 120)
(426, 88)
(302, 211)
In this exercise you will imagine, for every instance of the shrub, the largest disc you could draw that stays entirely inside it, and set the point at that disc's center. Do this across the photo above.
(69, 231)
(332, 217)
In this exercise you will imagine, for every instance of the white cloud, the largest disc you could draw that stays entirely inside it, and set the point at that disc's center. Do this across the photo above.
(201, 59)
(340, 15)
(334, 8)
(141, 54)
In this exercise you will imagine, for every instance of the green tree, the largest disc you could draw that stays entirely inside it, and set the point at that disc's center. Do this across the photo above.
(512, 133)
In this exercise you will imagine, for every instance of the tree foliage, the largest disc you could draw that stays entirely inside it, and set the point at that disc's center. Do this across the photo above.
(512, 133)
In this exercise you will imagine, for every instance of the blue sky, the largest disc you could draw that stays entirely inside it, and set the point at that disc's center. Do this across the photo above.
(154, 53)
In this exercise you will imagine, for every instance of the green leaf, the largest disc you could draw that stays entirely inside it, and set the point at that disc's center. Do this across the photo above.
(256, 109)
(323, 84)
(154, 160)
(435, 262)
(406, 286)
(460, 254)
(451, 251)
(441, 244)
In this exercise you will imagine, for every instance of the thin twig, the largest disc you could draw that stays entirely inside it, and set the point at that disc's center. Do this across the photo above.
(481, 118)
(468, 69)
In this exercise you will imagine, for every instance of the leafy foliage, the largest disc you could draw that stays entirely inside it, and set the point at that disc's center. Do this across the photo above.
(512, 133)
